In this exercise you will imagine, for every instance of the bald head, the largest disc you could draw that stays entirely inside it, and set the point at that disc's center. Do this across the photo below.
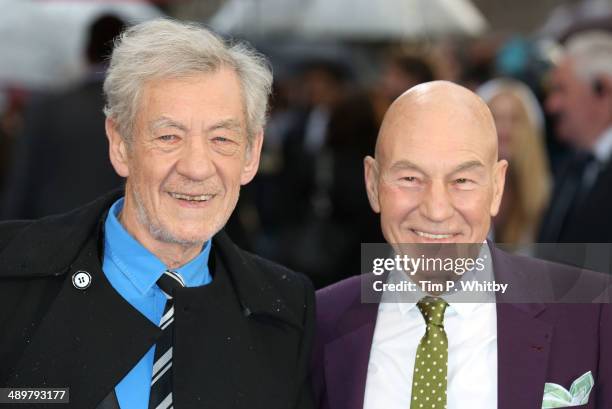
(436, 176)
(441, 103)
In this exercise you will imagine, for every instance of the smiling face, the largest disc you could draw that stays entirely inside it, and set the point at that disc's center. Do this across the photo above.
(436, 178)
(187, 160)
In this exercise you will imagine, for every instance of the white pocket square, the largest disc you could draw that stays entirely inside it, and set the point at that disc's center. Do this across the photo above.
(556, 396)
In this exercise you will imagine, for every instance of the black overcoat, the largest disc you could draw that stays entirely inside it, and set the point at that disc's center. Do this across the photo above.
(243, 341)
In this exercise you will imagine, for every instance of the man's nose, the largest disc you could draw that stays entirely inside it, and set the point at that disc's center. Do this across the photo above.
(196, 162)
(436, 204)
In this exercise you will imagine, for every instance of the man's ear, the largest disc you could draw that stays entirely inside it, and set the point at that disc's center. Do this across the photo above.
(117, 149)
(371, 181)
(499, 181)
(252, 156)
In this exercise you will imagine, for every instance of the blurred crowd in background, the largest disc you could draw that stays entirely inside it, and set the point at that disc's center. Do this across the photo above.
(545, 70)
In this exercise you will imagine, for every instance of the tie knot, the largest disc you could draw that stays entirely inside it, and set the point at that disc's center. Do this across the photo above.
(433, 309)
(169, 281)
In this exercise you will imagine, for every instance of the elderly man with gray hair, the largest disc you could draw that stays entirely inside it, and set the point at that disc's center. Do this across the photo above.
(580, 101)
(139, 300)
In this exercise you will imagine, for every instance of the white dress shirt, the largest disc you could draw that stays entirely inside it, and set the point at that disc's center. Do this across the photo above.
(471, 329)
(603, 147)
(601, 151)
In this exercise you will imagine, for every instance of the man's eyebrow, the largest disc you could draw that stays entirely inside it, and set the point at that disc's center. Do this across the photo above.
(164, 122)
(229, 124)
(468, 165)
(405, 164)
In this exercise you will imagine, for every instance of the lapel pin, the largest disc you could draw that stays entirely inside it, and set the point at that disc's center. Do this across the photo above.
(81, 280)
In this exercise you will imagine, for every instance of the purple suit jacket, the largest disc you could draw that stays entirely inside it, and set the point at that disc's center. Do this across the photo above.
(537, 343)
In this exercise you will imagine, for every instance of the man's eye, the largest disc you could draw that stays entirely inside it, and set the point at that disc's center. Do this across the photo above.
(167, 138)
(464, 183)
(221, 139)
(409, 181)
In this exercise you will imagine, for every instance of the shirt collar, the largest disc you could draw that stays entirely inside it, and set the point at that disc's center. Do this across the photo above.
(462, 309)
(457, 304)
(141, 267)
(603, 147)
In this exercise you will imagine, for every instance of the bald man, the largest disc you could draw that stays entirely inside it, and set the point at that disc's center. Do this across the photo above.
(436, 178)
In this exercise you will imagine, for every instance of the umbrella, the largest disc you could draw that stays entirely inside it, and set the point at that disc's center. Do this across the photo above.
(391, 19)
(349, 19)
(257, 18)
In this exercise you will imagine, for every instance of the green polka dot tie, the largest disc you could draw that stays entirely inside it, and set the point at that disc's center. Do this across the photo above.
(431, 364)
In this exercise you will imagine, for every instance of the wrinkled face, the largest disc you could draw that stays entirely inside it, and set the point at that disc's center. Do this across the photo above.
(436, 178)
(572, 100)
(188, 158)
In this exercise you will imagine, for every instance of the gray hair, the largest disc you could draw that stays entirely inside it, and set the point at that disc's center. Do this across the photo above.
(591, 52)
(163, 48)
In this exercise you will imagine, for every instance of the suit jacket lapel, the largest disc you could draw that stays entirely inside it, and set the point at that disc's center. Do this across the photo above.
(523, 348)
(347, 357)
(82, 340)
(523, 341)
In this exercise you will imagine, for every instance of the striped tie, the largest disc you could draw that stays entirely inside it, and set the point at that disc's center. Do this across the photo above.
(161, 381)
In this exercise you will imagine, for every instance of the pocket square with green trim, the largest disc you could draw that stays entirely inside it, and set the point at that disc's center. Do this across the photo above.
(556, 396)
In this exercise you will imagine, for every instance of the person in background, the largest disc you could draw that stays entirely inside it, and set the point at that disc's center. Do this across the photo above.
(352, 131)
(400, 73)
(519, 122)
(324, 86)
(306, 175)
(580, 100)
(62, 148)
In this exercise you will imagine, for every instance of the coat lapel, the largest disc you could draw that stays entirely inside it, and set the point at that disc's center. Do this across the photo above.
(523, 341)
(220, 328)
(254, 292)
(110, 402)
(89, 340)
(210, 333)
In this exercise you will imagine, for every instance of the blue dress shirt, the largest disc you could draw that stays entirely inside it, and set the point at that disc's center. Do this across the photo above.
(133, 270)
